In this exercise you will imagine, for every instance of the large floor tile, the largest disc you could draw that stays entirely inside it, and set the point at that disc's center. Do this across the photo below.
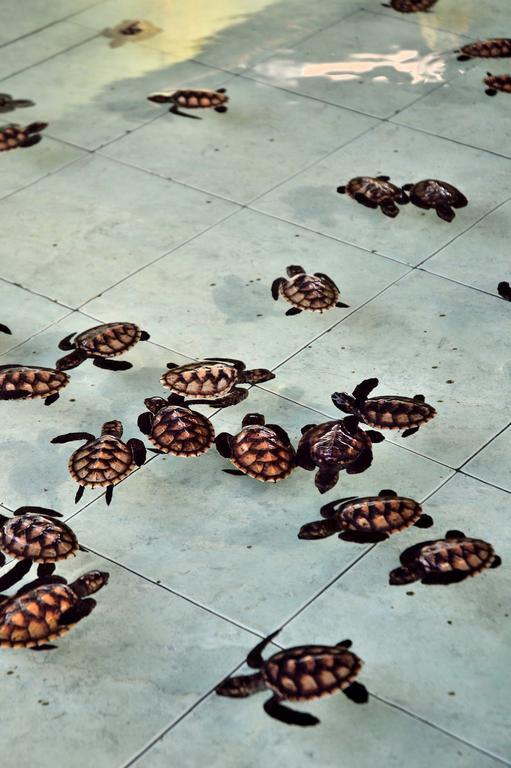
(34, 471)
(441, 652)
(95, 223)
(22, 167)
(108, 100)
(139, 661)
(480, 257)
(271, 130)
(372, 63)
(243, 533)
(424, 335)
(310, 198)
(25, 314)
(223, 733)
(493, 463)
(232, 34)
(24, 18)
(225, 276)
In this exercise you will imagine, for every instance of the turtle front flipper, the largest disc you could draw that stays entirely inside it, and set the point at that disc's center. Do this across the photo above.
(363, 200)
(452, 577)
(111, 365)
(278, 711)
(16, 573)
(328, 510)
(445, 212)
(254, 658)
(361, 537)
(79, 494)
(5, 329)
(362, 390)
(138, 451)
(176, 111)
(235, 396)
(30, 140)
(281, 433)
(70, 436)
(66, 344)
(319, 529)
(275, 287)
(360, 465)
(490, 92)
(303, 458)
(44, 570)
(52, 399)
(77, 612)
(223, 443)
(357, 693)
(424, 521)
(326, 478)
(73, 360)
(145, 422)
(241, 686)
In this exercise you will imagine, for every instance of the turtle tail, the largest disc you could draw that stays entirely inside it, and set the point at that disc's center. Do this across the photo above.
(319, 529)
(241, 686)
(72, 360)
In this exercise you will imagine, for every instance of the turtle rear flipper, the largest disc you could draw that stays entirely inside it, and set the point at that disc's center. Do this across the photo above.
(112, 365)
(490, 92)
(319, 529)
(35, 138)
(79, 494)
(357, 693)
(176, 111)
(221, 108)
(138, 450)
(51, 399)
(235, 472)
(504, 290)
(497, 562)
(326, 479)
(389, 209)
(410, 431)
(328, 510)
(402, 575)
(424, 521)
(445, 212)
(406, 187)
(293, 311)
(281, 433)
(278, 711)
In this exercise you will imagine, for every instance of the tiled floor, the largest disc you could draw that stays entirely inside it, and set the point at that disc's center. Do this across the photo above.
(126, 212)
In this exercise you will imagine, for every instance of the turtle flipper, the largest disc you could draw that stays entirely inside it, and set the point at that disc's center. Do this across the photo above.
(341, 190)
(77, 612)
(357, 693)
(307, 427)
(16, 573)
(66, 344)
(363, 462)
(70, 436)
(362, 390)
(112, 365)
(490, 92)
(326, 479)
(410, 431)
(221, 108)
(406, 187)
(363, 200)
(424, 521)
(319, 529)
(235, 472)
(254, 658)
(79, 494)
(389, 209)
(387, 493)
(497, 562)
(241, 686)
(235, 396)
(145, 422)
(281, 433)
(223, 443)
(144, 336)
(303, 458)
(35, 138)
(278, 711)
(445, 212)
(138, 451)
(52, 399)
(359, 537)
(176, 111)
(342, 305)
(275, 286)
(328, 510)
(453, 577)
(73, 360)
(108, 495)
(5, 329)
(44, 570)
(293, 311)
(504, 290)
(402, 575)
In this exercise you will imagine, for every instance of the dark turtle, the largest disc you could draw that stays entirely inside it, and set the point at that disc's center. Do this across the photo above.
(14, 135)
(497, 83)
(504, 290)
(496, 48)
(260, 450)
(5, 329)
(367, 519)
(410, 6)
(444, 561)
(311, 293)
(385, 411)
(333, 446)
(303, 673)
(8, 104)
(103, 461)
(432, 193)
(34, 536)
(46, 609)
(374, 192)
(27, 382)
(174, 428)
(99, 344)
(196, 98)
(214, 379)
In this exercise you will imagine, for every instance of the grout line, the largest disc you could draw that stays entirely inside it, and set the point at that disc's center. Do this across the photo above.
(453, 141)
(47, 58)
(51, 24)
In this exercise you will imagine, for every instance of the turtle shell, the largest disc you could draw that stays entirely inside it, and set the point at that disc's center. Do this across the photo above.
(412, 6)
(376, 514)
(102, 462)
(330, 444)
(32, 618)
(29, 382)
(310, 292)
(108, 340)
(181, 431)
(395, 412)
(373, 189)
(37, 538)
(260, 453)
(469, 556)
(311, 671)
(499, 82)
(207, 380)
(496, 48)
(432, 192)
(199, 98)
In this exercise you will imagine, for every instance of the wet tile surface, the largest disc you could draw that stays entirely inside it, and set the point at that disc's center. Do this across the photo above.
(492, 464)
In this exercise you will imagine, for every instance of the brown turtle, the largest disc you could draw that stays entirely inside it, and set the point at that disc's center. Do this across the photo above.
(302, 673)
(193, 98)
(496, 48)
(504, 290)
(14, 135)
(5, 329)
(103, 461)
(410, 6)
(260, 450)
(432, 193)
(99, 344)
(27, 382)
(8, 104)
(444, 561)
(374, 192)
(174, 428)
(367, 519)
(34, 536)
(385, 411)
(497, 83)
(311, 293)
(130, 30)
(333, 446)
(46, 609)
(214, 379)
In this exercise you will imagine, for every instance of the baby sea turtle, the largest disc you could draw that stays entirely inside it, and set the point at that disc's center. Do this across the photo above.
(214, 379)
(497, 83)
(8, 104)
(496, 48)
(367, 519)
(130, 30)
(432, 193)
(410, 6)
(46, 609)
(99, 344)
(504, 290)
(303, 673)
(196, 98)
(260, 450)
(444, 561)
(5, 329)
(333, 446)
(103, 461)
(312, 293)
(174, 428)
(14, 135)
(27, 382)
(374, 192)
(34, 536)
(385, 411)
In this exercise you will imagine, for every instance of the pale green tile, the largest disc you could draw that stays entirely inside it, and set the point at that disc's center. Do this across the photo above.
(493, 463)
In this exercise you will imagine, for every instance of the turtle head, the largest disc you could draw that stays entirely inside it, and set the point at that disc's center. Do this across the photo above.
(344, 402)
(253, 418)
(293, 270)
(241, 686)
(89, 583)
(155, 404)
(113, 428)
(404, 575)
(257, 375)
(161, 97)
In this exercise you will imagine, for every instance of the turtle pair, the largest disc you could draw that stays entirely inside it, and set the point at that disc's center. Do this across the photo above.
(379, 192)
(14, 135)
(192, 98)
(310, 293)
